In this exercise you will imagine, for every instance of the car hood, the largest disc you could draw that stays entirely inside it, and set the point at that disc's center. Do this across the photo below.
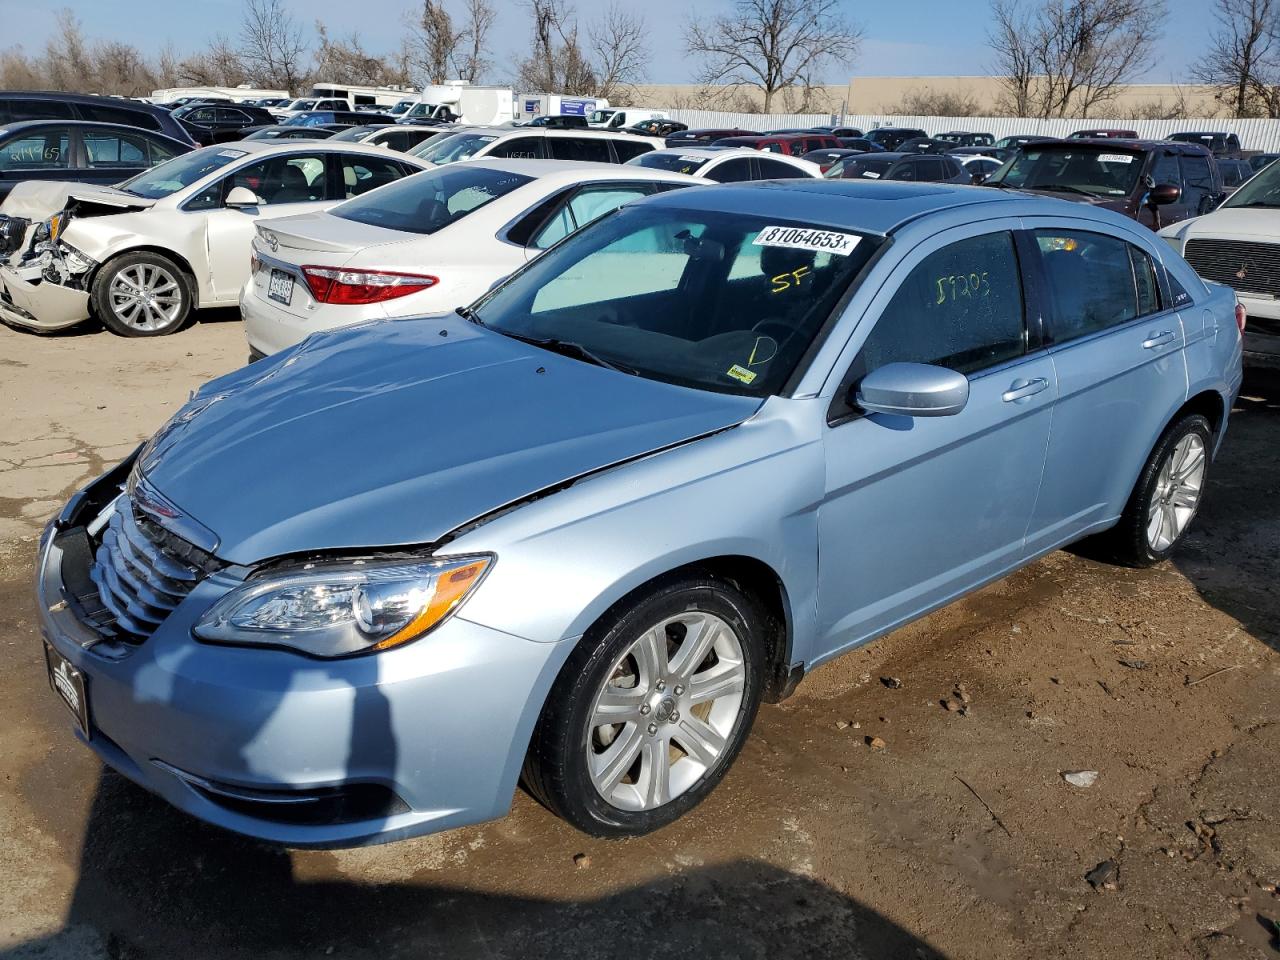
(37, 199)
(1260, 222)
(398, 432)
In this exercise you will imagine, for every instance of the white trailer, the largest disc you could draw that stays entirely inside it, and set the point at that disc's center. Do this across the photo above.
(363, 96)
(530, 105)
(238, 94)
(464, 102)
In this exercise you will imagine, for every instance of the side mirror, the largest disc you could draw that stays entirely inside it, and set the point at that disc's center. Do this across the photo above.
(240, 197)
(913, 390)
(1164, 193)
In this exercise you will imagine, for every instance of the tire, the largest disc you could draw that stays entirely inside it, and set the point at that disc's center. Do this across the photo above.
(1143, 539)
(569, 745)
(123, 313)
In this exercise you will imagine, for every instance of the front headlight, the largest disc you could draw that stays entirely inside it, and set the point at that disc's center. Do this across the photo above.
(337, 611)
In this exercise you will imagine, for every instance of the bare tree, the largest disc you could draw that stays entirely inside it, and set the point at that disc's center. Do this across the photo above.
(557, 62)
(345, 60)
(271, 44)
(437, 41)
(1243, 60)
(621, 52)
(772, 45)
(469, 60)
(1077, 53)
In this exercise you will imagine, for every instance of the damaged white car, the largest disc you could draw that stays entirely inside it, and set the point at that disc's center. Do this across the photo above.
(141, 255)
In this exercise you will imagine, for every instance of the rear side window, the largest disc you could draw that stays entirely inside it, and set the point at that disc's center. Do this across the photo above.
(960, 307)
(362, 174)
(38, 110)
(104, 113)
(105, 149)
(777, 170)
(46, 150)
(1093, 284)
(518, 148)
(427, 202)
(733, 171)
(579, 148)
(627, 149)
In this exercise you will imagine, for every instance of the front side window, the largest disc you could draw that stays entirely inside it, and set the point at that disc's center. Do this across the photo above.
(1197, 183)
(719, 301)
(587, 204)
(1092, 282)
(1166, 170)
(518, 148)
(430, 201)
(39, 151)
(960, 307)
(628, 150)
(104, 150)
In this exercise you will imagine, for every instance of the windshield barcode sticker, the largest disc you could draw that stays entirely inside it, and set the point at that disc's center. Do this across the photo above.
(233, 154)
(871, 174)
(799, 238)
(1115, 158)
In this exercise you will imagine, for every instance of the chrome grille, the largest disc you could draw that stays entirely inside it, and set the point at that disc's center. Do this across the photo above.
(1244, 265)
(140, 578)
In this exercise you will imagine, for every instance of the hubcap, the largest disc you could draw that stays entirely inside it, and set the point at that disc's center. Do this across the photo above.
(666, 712)
(145, 296)
(1177, 495)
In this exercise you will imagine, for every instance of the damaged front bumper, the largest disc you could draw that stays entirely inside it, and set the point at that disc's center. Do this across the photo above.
(28, 299)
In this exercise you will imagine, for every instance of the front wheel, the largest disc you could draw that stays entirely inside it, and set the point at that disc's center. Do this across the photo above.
(1167, 496)
(651, 709)
(142, 295)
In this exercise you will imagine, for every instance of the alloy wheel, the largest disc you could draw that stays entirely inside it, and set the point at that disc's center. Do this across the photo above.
(1179, 486)
(145, 296)
(667, 711)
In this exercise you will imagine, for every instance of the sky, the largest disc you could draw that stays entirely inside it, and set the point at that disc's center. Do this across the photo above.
(902, 37)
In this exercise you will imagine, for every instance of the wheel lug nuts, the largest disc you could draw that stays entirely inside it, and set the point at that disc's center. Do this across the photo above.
(662, 685)
(644, 708)
(675, 716)
(653, 728)
(679, 690)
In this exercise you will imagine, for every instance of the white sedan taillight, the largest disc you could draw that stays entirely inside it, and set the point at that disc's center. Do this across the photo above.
(339, 285)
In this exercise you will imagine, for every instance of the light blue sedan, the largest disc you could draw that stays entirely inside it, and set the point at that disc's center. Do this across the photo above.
(576, 534)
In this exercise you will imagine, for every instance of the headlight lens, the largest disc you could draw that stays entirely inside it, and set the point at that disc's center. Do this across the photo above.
(337, 611)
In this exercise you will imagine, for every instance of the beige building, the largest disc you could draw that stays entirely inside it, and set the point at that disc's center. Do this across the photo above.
(884, 95)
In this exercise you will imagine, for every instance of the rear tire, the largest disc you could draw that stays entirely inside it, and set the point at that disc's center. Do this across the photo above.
(658, 753)
(142, 294)
(1166, 497)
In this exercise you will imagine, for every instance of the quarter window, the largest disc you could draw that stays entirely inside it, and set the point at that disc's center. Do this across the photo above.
(960, 307)
(1092, 282)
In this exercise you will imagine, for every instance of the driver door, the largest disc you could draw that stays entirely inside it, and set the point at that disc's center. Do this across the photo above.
(285, 185)
(918, 510)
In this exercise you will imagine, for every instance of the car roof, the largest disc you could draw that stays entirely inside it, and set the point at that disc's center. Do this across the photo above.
(342, 146)
(704, 152)
(1128, 143)
(574, 171)
(873, 206)
(20, 125)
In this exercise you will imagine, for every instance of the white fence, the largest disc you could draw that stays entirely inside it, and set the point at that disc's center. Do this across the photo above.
(1260, 135)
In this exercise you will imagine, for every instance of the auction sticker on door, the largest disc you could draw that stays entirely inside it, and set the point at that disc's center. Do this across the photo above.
(280, 287)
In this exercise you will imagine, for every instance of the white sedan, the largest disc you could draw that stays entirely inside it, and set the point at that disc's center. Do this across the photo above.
(427, 245)
(141, 255)
(728, 164)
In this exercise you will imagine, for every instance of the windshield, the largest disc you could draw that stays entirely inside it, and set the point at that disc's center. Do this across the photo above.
(430, 201)
(1099, 171)
(180, 172)
(1262, 190)
(401, 107)
(455, 146)
(302, 105)
(719, 301)
(311, 119)
(867, 168)
(421, 110)
(677, 162)
(354, 133)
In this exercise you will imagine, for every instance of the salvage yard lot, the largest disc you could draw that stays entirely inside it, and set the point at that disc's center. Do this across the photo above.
(954, 835)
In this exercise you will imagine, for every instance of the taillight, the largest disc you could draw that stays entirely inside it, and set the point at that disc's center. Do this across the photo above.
(1242, 317)
(338, 285)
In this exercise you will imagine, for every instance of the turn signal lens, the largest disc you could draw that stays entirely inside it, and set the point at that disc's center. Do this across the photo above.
(1242, 317)
(354, 287)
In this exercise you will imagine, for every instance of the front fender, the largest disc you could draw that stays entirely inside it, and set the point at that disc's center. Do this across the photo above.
(751, 491)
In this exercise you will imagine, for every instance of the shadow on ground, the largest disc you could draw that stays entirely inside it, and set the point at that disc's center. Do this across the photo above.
(155, 883)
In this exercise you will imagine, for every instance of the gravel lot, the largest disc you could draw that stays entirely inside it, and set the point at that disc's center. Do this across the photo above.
(959, 838)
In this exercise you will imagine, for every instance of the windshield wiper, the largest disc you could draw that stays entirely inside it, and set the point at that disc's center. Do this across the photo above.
(567, 348)
(1064, 188)
(466, 313)
(1252, 203)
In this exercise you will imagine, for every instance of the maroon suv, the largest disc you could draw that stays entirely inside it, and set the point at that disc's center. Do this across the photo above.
(1154, 182)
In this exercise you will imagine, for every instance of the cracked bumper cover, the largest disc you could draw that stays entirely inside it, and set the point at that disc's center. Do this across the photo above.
(28, 300)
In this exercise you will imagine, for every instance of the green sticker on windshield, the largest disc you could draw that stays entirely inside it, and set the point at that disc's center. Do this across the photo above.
(741, 373)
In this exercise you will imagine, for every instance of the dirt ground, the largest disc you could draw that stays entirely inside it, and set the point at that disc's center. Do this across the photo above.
(959, 839)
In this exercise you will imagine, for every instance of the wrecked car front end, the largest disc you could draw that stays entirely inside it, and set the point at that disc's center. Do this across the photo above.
(44, 277)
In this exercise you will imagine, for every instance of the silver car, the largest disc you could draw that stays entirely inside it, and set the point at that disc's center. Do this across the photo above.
(578, 532)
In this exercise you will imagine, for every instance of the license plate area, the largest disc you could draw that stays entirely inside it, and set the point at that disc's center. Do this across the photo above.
(68, 683)
(280, 286)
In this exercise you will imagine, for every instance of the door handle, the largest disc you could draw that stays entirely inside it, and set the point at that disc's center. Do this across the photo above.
(1022, 389)
(1158, 339)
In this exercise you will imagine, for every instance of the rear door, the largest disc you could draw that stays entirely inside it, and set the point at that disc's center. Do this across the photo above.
(1117, 350)
(111, 155)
